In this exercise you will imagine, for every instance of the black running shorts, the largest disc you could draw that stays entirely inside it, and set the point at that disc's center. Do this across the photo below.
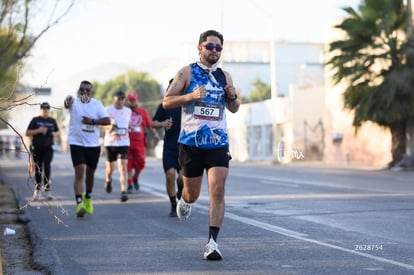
(194, 160)
(116, 152)
(85, 155)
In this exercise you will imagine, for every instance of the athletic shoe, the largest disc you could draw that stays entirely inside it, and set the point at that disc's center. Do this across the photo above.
(124, 197)
(80, 210)
(48, 194)
(129, 189)
(108, 187)
(136, 184)
(212, 252)
(183, 210)
(88, 203)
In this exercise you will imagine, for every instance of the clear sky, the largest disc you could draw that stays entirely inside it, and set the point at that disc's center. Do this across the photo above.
(136, 31)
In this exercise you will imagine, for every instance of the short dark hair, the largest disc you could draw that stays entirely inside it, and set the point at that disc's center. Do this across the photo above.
(44, 105)
(119, 94)
(204, 35)
(87, 83)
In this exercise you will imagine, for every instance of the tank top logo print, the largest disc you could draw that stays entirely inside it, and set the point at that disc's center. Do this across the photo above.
(205, 138)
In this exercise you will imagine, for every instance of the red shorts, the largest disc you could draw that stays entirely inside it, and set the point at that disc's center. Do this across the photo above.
(136, 159)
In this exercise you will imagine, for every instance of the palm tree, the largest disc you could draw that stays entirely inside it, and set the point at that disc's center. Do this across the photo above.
(376, 60)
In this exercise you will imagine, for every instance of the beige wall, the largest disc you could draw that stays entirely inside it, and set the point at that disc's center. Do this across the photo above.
(307, 108)
(370, 146)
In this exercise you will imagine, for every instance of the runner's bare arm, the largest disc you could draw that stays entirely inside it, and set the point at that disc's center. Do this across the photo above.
(174, 97)
(232, 101)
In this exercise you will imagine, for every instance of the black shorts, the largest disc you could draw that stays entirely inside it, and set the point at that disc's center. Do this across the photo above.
(116, 152)
(194, 160)
(85, 155)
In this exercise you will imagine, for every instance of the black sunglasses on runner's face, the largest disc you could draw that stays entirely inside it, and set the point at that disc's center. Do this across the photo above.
(211, 46)
(84, 89)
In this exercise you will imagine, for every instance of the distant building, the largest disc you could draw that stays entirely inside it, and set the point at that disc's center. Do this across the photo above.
(307, 122)
(296, 63)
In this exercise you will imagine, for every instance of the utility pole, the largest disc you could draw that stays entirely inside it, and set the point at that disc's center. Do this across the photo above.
(409, 123)
(273, 79)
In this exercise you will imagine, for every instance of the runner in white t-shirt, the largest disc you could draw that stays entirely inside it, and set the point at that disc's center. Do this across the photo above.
(116, 142)
(86, 115)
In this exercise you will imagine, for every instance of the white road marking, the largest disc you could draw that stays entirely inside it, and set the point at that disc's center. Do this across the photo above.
(303, 237)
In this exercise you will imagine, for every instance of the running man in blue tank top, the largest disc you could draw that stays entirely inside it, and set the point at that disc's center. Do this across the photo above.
(204, 92)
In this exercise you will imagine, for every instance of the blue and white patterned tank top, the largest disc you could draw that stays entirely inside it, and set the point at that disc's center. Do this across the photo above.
(203, 122)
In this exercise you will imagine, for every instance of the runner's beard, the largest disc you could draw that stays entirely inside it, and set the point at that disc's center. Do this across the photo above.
(85, 98)
(211, 59)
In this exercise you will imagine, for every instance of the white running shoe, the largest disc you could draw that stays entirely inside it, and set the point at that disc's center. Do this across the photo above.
(212, 252)
(48, 195)
(183, 210)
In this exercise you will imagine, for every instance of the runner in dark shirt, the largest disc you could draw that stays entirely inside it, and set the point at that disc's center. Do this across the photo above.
(42, 129)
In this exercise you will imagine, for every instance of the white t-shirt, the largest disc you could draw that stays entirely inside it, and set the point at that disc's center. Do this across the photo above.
(84, 134)
(119, 135)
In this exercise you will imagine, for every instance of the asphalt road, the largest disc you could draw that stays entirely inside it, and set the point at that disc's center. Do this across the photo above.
(279, 220)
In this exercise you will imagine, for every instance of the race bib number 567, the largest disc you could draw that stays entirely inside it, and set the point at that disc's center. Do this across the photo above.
(208, 111)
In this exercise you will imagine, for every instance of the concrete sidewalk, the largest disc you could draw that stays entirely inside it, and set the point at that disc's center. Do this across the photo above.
(15, 250)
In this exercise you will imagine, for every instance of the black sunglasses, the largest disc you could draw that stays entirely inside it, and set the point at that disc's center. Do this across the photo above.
(85, 89)
(211, 46)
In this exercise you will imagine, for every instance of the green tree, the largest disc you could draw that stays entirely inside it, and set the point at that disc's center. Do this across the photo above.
(376, 62)
(148, 90)
(17, 40)
(260, 92)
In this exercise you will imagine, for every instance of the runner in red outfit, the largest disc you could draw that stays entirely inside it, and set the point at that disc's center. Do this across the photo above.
(140, 120)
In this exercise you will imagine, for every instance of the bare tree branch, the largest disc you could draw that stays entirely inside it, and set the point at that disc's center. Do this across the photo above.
(15, 40)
